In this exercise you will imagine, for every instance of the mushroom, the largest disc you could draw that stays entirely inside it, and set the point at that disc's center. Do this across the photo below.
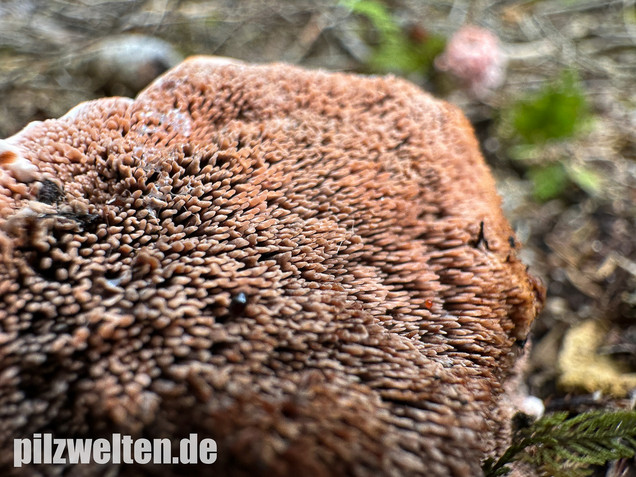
(311, 268)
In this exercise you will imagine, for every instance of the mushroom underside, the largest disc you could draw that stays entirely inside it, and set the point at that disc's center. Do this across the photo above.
(311, 268)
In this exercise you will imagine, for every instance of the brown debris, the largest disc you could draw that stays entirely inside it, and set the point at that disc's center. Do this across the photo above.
(293, 263)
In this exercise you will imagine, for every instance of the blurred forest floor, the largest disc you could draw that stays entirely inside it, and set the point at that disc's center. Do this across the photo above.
(559, 133)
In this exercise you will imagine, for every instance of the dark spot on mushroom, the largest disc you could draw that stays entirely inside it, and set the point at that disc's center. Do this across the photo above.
(521, 421)
(481, 238)
(268, 256)
(153, 177)
(238, 304)
(87, 222)
(220, 347)
(50, 192)
(511, 242)
(45, 266)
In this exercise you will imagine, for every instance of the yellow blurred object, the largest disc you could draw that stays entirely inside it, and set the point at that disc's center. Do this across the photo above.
(583, 369)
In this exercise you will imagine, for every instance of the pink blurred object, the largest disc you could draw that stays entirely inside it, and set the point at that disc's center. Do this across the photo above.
(475, 57)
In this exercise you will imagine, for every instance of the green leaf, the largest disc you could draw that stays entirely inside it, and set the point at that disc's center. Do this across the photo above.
(587, 179)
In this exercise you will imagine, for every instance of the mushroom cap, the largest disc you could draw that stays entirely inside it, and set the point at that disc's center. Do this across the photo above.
(311, 268)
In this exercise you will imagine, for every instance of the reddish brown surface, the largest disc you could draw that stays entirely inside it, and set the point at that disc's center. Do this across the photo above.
(356, 215)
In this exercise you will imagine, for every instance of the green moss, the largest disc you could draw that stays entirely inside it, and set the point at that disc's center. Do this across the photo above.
(555, 112)
(548, 182)
(561, 446)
